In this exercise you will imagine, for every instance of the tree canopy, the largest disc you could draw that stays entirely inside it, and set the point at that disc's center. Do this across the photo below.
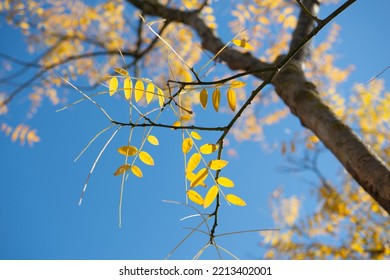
(190, 66)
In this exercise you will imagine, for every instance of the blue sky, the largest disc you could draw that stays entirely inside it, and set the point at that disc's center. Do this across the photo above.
(40, 186)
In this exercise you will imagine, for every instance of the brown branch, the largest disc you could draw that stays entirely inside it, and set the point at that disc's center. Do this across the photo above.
(300, 96)
(150, 123)
(307, 19)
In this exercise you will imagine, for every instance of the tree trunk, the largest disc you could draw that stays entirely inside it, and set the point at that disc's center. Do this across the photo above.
(298, 94)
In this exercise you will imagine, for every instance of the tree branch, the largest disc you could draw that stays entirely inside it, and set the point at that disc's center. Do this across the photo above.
(300, 96)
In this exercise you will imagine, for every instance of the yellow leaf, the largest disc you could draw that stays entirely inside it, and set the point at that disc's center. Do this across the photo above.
(217, 164)
(139, 90)
(290, 22)
(112, 87)
(196, 135)
(176, 124)
(161, 97)
(199, 177)
(137, 171)
(264, 20)
(146, 158)
(203, 96)
(193, 162)
(357, 247)
(121, 71)
(226, 182)
(233, 199)
(210, 196)
(149, 92)
(231, 96)
(237, 84)
(24, 25)
(190, 175)
(122, 169)
(153, 140)
(185, 118)
(243, 44)
(195, 197)
(216, 98)
(32, 137)
(208, 148)
(128, 150)
(128, 87)
(186, 145)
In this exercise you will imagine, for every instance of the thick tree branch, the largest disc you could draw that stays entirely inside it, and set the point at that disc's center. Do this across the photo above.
(306, 21)
(300, 96)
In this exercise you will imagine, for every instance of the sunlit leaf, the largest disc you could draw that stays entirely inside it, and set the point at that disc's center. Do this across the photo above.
(199, 177)
(210, 196)
(128, 150)
(149, 92)
(176, 124)
(233, 199)
(122, 169)
(193, 162)
(153, 140)
(243, 44)
(113, 85)
(128, 87)
(217, 164)
(195, 197)
(290, 209)
(203, 96)
(231, 97)
(161, 97)
(290, 22)
(139, 90)
(208, 148)
(190, 175)
(187, 145)
(216, 98)
(196, 135)
(146, 158)
(121, 71)
(237, 84)
(136, 171)
(357, 247)
(24, 25)
(226, 182)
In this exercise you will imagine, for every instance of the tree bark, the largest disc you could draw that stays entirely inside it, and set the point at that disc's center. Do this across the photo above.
(299, 94)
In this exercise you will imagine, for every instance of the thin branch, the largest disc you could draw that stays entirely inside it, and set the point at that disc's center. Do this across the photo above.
(151, 123)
